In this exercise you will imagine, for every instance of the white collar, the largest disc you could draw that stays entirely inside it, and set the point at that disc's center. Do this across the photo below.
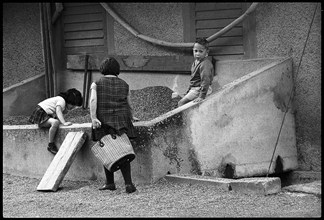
(110, 76)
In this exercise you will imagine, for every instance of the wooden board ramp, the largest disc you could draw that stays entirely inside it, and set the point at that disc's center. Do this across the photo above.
(62, 161)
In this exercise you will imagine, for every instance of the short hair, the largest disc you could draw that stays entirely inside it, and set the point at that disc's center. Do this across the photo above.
(110, 66)
(72, 96)
(203, 41)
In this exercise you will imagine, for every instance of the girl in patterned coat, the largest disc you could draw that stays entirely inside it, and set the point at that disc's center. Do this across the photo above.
(111, 113)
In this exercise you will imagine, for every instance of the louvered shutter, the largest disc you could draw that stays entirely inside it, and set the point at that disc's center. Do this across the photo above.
(211, 18)
(84, 28)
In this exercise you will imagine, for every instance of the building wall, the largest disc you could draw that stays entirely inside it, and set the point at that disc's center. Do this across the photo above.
(162, 21)
(282, 30)
(22, 45)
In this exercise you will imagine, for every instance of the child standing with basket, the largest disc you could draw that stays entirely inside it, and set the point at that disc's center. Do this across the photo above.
(111, 114)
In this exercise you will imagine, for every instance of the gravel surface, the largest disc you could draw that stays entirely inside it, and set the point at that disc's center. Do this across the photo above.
(162, 199)
(147, 103)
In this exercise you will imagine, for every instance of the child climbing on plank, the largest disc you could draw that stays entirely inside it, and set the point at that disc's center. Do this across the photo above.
(202, 73)
(49, 113)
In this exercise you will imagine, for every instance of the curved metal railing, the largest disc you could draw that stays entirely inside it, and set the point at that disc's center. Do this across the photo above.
(170, 44)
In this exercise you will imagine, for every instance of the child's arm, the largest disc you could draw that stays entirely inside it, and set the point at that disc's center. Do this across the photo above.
(59, 114)
(206, 74)
(93, 107)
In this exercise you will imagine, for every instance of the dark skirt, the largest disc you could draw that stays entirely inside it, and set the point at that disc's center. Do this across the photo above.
(39, 116)
(105, 129)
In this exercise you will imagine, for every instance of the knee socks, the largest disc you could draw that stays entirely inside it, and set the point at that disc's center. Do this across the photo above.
(109, 176)
(126, 171)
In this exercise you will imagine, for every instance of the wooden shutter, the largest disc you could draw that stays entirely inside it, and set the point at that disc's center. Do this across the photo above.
(211, 18)
(84, 28)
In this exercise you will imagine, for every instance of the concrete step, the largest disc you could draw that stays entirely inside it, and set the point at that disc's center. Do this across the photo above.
(253, 185)
(300, 176)
(314, 187)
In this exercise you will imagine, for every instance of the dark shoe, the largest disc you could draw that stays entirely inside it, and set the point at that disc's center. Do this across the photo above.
(52, 148)
(108, 186)
(130, 188)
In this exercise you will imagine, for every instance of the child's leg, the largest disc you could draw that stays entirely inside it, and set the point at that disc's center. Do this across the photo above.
(191, 95)
(183, 101)
(109, 176)
(110, 181)
(126, 171)
(54, 125)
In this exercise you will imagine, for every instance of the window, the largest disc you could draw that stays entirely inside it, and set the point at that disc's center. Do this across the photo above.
(206, 19)
(84, 28)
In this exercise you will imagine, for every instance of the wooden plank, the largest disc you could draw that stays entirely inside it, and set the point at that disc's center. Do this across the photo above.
(227, 41)
(75, 4)
(86, 50)
(217, 6)
(82, 9)
(215, 23)
(84, 35)
(219, 50)
(69, 19)
(228, 57)
(87, 42)
(236, 31)
(83, 26)
(62, 161)
(235, 13)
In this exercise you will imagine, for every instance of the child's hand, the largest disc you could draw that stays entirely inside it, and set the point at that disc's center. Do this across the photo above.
(198, 99)
(96, 123)
(67, 123)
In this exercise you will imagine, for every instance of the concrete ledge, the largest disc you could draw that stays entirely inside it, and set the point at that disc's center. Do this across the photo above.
(310, 188)
(221, 183)
(259, 185)
(244, 117)
(298, 176)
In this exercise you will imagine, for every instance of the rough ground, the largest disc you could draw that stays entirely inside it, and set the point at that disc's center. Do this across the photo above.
(162, 199)
(147, 103)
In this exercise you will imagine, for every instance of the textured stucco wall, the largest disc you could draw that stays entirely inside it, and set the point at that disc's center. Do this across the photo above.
(282, 30)
(22, 46)
(162, 21)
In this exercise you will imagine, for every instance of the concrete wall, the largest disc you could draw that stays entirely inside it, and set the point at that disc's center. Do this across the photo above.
(245, 117)
(282, 30)
(21, 98)
(162, 21)
(243, 120)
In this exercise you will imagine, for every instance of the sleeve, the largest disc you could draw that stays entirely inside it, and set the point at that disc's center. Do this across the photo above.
(206, 75)
(61, 102)
(93, 86)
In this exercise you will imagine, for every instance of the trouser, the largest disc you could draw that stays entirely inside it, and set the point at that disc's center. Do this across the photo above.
(125, 169)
